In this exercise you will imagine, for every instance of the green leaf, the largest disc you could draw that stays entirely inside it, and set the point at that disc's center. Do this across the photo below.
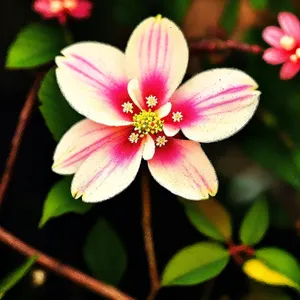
(195, 264)
(177, 11)
(58, 114)
(14, 277)
(105, 254)
(277, 6)
(282, 262)
(259, 4)
(255, 223)
(35, 45)
(59, 201)
(230, 15)
(210, 218)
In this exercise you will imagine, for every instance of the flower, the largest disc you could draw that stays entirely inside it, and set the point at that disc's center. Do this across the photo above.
(133, 112)
(285, 42)
(61, 8)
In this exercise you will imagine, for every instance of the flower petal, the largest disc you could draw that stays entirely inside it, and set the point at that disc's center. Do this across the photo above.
(83, 9)
(183, 168)
(214, 104)
(134, 92)
(290, 24)
(289, 70)
(272, 36)
(157, 54)
(79, 142)
(92, 78)
(164, 110)
(149, 147)
(109, 170)
(275, 56)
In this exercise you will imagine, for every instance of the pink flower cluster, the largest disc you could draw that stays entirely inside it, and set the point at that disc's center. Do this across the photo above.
(62, 8)
(285, 42)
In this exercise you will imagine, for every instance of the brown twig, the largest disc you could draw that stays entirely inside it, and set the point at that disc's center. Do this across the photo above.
(148, 238)
(212, 45)
(17, 138)
(69, 272)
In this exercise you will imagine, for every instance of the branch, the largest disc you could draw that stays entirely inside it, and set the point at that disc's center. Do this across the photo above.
(18, 135)
(69, 272)
(148, 238)
(212, 45)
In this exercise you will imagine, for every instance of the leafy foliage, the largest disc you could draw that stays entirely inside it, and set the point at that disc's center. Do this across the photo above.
(104, 253)
(35, 45)
(230, 15)
(58, 114)
(195, 264)
(259, 4)
(275, 267)
(210, 218)
(14, 277)
(59, 201)
(255, 223)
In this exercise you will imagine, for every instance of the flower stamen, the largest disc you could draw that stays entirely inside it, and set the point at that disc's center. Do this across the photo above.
(70, 4)
(177, 116)
(151, 101)
(56, 6)
(161, 141)
(288, 42)
(127, 107)
(147, 122)
(133, 138)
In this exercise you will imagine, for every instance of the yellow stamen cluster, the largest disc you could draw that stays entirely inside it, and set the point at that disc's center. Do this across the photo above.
(287, 42)
(161, 141)
(295, 57)
(147, 122)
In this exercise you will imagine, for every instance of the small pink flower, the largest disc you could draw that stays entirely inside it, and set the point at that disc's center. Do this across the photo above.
(62, 8)
(133, 112)
(285, 42)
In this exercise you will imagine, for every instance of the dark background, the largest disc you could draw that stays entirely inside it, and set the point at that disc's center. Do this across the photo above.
(63, 238)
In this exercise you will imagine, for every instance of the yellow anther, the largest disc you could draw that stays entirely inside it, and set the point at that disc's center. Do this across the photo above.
(177, 116)
(147, 122)
(294, 58)
(288, 42)
(161, 141)
(56, 6)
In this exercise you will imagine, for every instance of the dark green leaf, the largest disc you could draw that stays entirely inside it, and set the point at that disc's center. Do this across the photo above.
(35, 45)
(259, 4)
(58, 114)
(104, 253)
(14, 277)
(230, 15)
(210, 218)
(280, 261)
(59, 201)
(255, 223)
(276, 6)
(195, 264)
(177, 10)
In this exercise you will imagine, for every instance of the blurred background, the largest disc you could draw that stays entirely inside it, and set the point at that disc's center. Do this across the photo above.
(262, 159)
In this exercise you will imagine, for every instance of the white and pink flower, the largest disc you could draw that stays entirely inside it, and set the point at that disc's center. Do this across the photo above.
(133, 112)
(285, 42)
(60, 9)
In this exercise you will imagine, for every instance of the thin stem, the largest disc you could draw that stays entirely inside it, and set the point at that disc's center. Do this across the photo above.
(18, 135)
(213, 45)
(69, 272)
(148, 237)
